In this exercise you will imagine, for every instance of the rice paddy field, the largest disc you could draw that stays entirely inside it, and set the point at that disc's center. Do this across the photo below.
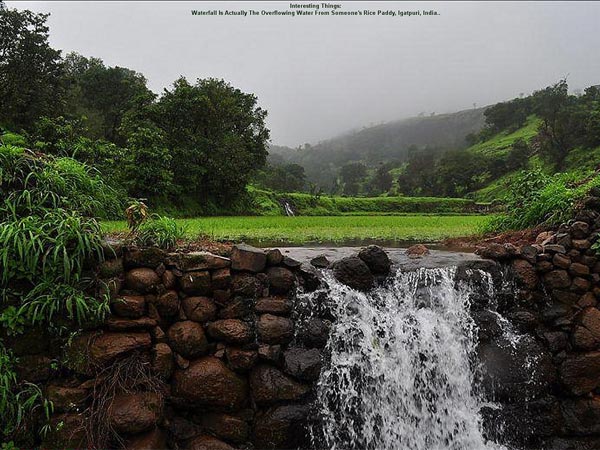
(302, 230)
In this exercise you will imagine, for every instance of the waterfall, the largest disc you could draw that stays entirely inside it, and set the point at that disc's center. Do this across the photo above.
(288, 209)
(402, 367)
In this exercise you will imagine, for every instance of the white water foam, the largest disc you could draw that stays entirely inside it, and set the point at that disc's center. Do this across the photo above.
(401, 371)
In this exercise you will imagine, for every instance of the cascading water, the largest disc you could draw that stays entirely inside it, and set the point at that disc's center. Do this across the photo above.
(401, 371)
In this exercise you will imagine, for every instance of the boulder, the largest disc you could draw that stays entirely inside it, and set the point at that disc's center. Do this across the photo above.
(241, 360)
(524, 273)
(270, 353)
(111, 268)
(142, 280)
(167, 304)
(195, 261)
(131, 306)
(188, 339)
(206, 442)
(580, 230)
(221, 279)
(274, 305)
(67, 398)
(246, 285)
(376, 259)
(233, 331)
(274, 329)
(270, 385)
(169, 279)
(149, 257)
(199, 309)
(151, 440)
(579, 270)
(237, 309)
(581, 416)
(162, 360)
(562, 261)
(282, 427)
(66, 431)
(208, 382)
(107, 346)
(315, 333)
(247, 258)
(281, 280)
(274, 257)
(417, 251)
(304, 364)
(513, 372)
(135, 412)
(557, 279)
(196, 283)
(320, 262)
(580, 373)
(225, 426)
(353, 272)
(120, 324)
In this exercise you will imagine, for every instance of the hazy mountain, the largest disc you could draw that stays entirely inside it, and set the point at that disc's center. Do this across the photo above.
(381, 143)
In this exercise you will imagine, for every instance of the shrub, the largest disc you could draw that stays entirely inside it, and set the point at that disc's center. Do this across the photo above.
(159, 231)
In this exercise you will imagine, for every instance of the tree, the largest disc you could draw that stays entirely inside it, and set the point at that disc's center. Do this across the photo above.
(216, 134)
(382, 180)
(103, 94)
(351, 174)
(518, 155)
(30, 70)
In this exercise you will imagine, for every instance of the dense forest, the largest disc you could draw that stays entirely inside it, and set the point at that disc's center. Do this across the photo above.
(200, 140)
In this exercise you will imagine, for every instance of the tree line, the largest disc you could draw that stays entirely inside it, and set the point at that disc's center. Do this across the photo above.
(203, 139)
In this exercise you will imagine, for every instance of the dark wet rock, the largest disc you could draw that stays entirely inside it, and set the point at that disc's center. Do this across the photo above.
(111, 268)
(304, 364)
(135, 412)
(107, 346)
(290, 263)
(199, 309)
(151, 440)
(271, 353)
(209, 382)
(114, 323)
(188, 339)
(168, 279)
(162, 360)
(557, 279)
(66, 398)
(524, 273)
(274, 257)
(586, 335)
(206, 442)
(247, 258)
(131, 306)
(274, 329)
(270, 385)
(523, 423)
(281, 280)
(241, 360)
(274, 305)
(282, 427)
(196, 283)
(66, 431)
(376, 259)
(581, 416)
(529, 253)
(515, 371)
(320, 262)
(225, 426)
(195, 261)
(221, 279)
(237, 309)
(580, 230)
(561, 260)
(246, 285)
(149, 257)
(353, 272)
(315, 333)
(557, 340)
(310, 278)
(142, 280)
(233, 331)
(580, 373)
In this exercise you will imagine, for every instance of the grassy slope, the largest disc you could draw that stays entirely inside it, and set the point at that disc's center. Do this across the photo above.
(305, 229)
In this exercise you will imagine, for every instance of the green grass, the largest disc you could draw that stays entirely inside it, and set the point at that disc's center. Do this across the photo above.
(500, 143)
(334, 229)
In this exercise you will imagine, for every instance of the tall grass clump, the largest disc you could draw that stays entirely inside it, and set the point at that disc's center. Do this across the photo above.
(49, 237)
(536, 198)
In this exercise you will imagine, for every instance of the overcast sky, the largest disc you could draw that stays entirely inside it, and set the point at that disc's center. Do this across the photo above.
(321, 76)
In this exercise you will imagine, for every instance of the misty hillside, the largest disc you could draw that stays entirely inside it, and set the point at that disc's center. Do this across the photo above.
(381, 143)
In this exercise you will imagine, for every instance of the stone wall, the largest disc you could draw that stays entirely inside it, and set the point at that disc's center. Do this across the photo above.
(199, 352)
(549, 381)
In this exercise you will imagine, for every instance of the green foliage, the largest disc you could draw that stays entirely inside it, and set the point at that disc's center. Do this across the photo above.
(283, 178)
(30, 70)
(539, 199)
(19, 401)
(159, 231)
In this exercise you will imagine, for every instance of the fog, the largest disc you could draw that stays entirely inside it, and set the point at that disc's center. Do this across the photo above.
(320, 76)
